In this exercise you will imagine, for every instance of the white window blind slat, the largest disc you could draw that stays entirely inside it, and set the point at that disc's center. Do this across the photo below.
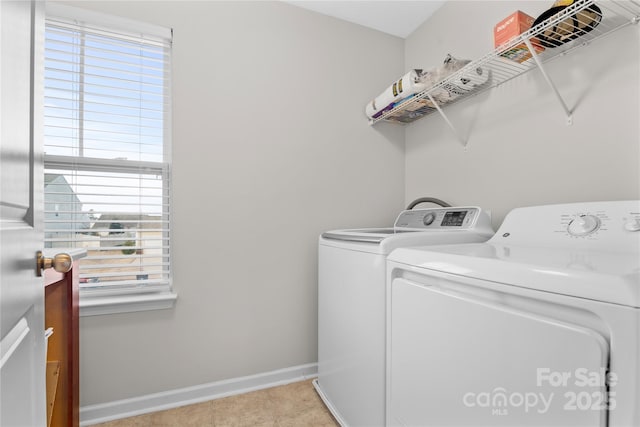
(131, 136)
(111, 69)
(69, 105)
(107, 174)
(60, 47)
(58, 33)
(116, 36)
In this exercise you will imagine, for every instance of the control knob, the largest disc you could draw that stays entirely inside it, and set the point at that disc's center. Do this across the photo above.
(632, 225)
(428, 218)
(583, 225)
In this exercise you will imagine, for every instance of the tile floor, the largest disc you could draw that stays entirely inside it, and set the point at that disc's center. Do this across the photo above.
(291, 405)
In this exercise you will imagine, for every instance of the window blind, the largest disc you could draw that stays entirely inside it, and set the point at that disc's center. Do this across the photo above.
(106, 143)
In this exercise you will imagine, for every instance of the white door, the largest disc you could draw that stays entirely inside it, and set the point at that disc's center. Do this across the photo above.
(22, 345)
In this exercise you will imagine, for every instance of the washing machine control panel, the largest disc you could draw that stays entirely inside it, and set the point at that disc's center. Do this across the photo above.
(593, 225)
(601, 222)
(438, 218)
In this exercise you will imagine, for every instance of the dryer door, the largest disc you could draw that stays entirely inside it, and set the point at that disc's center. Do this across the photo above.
(459, 358)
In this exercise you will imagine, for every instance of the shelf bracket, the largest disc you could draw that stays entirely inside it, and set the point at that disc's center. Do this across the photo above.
(535, 57)
(446, 119)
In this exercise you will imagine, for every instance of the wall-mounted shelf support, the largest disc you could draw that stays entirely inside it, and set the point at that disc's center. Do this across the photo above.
(538, 62)
(446, 119)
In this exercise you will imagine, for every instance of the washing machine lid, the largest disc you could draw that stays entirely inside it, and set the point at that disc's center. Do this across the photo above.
(452, 219)
(416, 227)
(374, 241)
(363, 235)
(537, 248)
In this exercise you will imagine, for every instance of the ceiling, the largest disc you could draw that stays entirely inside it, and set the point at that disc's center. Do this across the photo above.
(398, 18)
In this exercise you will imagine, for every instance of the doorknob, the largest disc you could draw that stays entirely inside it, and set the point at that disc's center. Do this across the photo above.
(60, 262)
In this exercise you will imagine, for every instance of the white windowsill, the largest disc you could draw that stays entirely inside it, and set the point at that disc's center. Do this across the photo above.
(96, 306)
(99, 305)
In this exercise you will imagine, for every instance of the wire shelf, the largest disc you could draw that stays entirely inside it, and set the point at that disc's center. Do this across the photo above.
(553, 33)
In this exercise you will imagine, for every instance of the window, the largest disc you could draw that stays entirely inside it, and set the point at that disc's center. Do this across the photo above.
(107, 163)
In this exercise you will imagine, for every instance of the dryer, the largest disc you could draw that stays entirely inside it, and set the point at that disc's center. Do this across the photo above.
(351, 304)
(539, 326)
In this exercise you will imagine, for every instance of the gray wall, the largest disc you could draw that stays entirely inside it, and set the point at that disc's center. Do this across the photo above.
(270, 147)
(520, 152)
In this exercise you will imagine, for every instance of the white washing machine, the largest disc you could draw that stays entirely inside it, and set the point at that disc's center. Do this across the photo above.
(351, 304)
(539, 326)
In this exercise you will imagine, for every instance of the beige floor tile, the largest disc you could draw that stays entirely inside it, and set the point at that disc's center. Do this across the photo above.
(247, 422)
(247, 409)
(291, 405)
(198, 415)
(139, 421)
(294, 398)
(318, 417)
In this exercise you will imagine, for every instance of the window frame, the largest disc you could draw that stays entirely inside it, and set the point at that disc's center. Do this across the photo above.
(123, 300)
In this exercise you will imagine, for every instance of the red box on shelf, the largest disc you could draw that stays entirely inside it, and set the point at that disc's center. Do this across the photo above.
(510, 27)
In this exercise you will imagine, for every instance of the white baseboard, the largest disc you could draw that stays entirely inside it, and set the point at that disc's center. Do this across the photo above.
(95, 414)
